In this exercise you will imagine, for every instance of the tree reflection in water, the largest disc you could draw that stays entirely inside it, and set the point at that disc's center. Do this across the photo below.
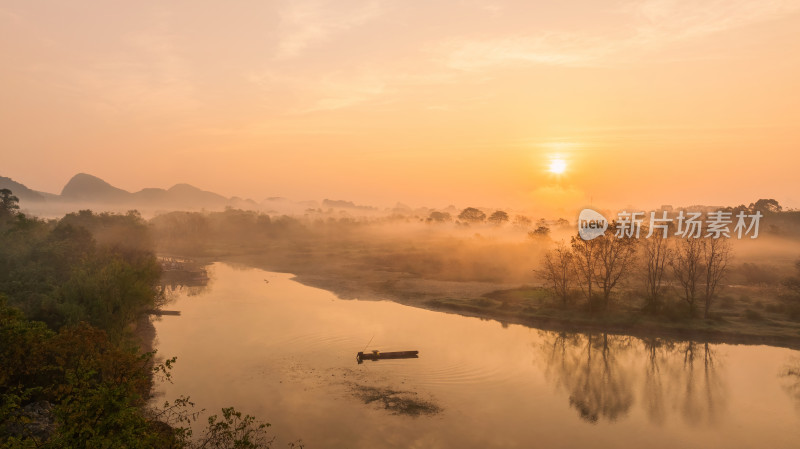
(791, 380)
(653, 388)
(703, 397)
(602, 373)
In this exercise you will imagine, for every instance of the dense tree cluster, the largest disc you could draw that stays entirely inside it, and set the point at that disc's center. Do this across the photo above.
(58, 272)
(93, 389)
(71, 374)
(472, 215)
(66, 302)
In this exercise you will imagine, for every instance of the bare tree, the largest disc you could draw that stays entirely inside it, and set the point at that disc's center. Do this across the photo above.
(584, 260)
(687, 267)
(716, 253)
(657, 255)
(616, 258)
(557, 270)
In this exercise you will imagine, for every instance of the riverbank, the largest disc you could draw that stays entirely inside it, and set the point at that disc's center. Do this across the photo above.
(726, 327)
(742, 315)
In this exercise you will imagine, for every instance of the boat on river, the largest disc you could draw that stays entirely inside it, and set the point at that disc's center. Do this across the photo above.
(377, 355)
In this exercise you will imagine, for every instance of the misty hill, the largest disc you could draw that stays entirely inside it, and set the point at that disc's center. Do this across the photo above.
(342, 204)
(88, 191)
(183, 195)
(83, 187)
(93, 191)
(21, 191)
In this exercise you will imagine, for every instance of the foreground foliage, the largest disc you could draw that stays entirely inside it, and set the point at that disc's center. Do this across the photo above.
(71, 373)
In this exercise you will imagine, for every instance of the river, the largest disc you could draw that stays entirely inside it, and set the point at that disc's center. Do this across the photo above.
(285, 352)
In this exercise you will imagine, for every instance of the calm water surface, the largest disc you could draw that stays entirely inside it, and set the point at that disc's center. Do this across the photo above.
(285, 352)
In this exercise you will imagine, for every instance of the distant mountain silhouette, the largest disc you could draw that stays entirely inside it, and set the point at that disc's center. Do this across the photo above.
(150, 194)
(21, 191)
(190, 196)
(85, 188)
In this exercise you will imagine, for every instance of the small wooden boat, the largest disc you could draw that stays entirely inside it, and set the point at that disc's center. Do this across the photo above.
(377, 355)
(160, 312)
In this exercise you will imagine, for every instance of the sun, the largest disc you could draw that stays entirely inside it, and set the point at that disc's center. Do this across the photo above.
(558, 166)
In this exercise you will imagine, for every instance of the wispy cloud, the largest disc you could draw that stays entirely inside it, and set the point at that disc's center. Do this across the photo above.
(646, 25)
(547, 49)
(663, 21)
(148, 75)
(305, 23)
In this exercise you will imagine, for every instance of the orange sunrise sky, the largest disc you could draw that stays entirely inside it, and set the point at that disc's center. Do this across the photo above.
(641, 102)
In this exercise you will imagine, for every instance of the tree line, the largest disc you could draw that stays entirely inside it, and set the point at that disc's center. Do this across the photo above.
(595, 270)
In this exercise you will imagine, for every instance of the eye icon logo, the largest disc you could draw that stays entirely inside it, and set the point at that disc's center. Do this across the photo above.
(591, 224)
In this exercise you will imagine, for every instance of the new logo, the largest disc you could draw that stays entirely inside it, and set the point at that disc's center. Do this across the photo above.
(591, 224)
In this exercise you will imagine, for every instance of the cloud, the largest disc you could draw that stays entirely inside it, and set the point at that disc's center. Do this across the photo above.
(145, 75)
(305, 23)
(546, 49)
(450, 54)
(314, 91)
(660, 21)
(644, 25)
